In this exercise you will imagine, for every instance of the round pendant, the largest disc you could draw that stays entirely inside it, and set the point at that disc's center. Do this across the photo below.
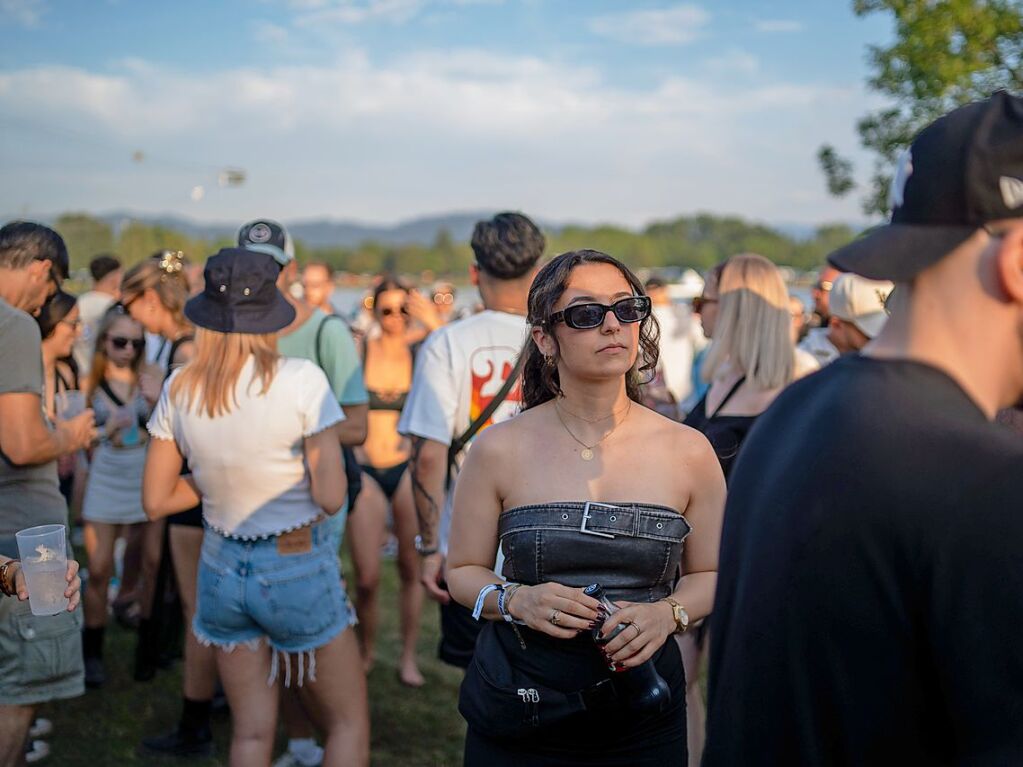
(586, 454)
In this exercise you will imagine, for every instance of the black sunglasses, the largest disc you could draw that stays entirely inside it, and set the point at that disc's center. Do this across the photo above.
(387, 311)
(586, 316)
(120, 342)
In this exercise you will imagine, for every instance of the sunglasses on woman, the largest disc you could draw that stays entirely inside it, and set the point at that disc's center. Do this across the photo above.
(701, 302)
(120, 342)
(387, 311)
(586, 316)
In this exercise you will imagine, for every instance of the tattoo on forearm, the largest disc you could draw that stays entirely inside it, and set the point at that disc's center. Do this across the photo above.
(427, 507)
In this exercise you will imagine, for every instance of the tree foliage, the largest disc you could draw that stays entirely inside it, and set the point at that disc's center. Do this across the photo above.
(698, 242)
(945, 53)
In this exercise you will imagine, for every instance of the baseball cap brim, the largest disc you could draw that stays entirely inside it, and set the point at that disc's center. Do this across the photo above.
(898, 252)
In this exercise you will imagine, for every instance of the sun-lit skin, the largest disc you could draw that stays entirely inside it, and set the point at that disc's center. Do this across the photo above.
(124, 327)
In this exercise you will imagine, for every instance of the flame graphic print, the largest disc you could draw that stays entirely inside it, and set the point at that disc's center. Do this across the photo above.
(490, 367)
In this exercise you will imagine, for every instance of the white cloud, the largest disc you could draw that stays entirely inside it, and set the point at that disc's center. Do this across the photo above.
(24, 12)
(773, 26)
(464, 129)
(733, 61)
(675, 25)
(267, 32)
(350, 12)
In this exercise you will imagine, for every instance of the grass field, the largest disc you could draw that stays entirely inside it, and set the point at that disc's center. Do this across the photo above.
(410, 728)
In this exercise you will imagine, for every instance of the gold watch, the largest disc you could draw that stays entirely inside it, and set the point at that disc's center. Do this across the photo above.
(680, 615)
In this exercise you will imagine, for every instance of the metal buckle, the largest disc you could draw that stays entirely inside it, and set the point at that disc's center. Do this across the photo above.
(587, 517)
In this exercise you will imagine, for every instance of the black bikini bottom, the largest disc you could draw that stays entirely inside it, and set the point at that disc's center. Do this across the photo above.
(388, 478)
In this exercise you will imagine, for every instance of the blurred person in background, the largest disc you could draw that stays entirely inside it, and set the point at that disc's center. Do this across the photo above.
(60, 326)
(672, 380)
(387, 487)
(443, 296)
(40, 656)
(325, 340)
(745, 311)
(815, 342)
(154, 293)
(465, 379)
(800, 318)
(106, 289)
(272, 601)
(318, 286)
(858, 311)
(113, 493)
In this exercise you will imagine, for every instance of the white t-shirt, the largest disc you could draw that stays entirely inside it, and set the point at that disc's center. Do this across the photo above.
(458, 370)
(817, 344)
(249, 464)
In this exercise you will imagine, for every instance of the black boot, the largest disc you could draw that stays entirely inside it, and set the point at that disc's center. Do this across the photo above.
(193, 736)
(92, 654)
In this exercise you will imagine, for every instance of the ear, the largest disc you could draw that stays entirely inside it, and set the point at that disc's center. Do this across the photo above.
(40, 269)
(543, 342)
(1009, 264)
(474, 274)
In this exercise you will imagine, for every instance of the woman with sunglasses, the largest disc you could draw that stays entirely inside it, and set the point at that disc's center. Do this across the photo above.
(60, 327)
(113, 491)
(387, 369)
(584, 486)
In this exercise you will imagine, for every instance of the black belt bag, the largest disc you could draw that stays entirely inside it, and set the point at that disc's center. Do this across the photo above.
(500, 701)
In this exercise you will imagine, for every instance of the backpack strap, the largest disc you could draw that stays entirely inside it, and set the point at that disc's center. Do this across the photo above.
(459, 443)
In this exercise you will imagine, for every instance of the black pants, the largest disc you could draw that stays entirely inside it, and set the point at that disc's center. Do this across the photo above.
(458, 632)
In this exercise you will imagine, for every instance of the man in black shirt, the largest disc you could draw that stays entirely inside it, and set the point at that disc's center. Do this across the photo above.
(870, 603)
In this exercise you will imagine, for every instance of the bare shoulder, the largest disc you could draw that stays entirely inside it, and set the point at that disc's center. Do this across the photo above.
(501, 438)
(680, 440)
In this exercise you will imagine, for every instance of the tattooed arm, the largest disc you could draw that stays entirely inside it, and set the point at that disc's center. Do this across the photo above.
(429, 465)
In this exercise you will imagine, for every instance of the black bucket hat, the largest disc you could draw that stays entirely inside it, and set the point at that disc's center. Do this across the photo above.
(962, 171)
(241, 294)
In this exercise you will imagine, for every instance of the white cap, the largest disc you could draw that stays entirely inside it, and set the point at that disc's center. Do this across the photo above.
(860, 301)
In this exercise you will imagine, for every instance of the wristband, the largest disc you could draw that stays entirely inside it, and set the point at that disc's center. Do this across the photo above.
(504, 598)
(477, 610)
(7, 587)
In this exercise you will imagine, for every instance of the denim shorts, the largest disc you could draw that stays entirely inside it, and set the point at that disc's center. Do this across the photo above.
(248, 592)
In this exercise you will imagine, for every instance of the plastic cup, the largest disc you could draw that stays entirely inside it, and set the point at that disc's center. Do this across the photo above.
(43, 553)
(69, 404)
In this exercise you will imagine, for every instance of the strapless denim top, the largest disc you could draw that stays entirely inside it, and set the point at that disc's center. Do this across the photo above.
(632, 549)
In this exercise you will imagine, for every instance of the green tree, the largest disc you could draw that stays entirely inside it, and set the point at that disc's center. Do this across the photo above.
(945, 53)
(85, 237)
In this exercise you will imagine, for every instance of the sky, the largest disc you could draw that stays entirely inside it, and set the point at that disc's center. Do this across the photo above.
(383, 110)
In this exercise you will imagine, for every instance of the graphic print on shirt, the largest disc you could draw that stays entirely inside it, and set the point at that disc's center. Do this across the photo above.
(489, 367)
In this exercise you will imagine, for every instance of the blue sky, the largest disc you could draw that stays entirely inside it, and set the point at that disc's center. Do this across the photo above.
(381, 110)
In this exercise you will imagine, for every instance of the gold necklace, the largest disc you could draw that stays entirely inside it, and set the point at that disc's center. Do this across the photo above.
(603, 417)
(587, 452)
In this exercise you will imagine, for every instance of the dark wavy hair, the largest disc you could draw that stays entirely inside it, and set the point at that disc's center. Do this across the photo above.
(540, 381)
(507, 246)
(54, 311)
(385, 283)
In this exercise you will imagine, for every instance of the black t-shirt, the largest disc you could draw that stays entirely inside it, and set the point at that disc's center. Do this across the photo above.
(870, 597)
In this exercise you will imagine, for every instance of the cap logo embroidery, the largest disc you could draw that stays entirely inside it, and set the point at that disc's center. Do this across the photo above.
(903, 170)
(260, 233)
(1012, 191)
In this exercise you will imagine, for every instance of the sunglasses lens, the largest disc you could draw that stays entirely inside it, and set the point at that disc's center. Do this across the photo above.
(632, 309)
(584, 316)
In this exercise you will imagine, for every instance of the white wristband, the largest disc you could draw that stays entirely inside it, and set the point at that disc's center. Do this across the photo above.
(477, 611)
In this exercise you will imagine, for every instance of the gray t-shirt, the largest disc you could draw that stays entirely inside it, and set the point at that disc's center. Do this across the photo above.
(29, 495)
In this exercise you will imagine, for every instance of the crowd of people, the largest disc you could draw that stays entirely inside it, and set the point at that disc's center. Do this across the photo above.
(819, 504)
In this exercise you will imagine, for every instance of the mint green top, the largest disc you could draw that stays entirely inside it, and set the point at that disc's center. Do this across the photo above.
(337, 356)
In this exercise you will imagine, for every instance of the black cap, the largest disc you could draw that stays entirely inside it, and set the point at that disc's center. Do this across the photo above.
(962, 171)
(241, 294)
(267, 236)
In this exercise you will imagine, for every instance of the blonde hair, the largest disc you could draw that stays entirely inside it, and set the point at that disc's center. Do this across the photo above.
(208, 380)
(752, 332)
(163, 273)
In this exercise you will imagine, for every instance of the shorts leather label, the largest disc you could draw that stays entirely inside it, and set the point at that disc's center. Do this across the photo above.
(296, 542)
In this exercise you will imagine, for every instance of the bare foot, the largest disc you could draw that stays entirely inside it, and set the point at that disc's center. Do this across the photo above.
(409, 674)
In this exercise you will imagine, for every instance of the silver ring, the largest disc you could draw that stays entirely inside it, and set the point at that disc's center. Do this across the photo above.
(554, 617)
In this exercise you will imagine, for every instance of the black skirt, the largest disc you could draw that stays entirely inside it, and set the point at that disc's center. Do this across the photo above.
(611, 735)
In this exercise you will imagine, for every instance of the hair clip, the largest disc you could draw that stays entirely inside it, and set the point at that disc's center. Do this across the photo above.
(171, 261)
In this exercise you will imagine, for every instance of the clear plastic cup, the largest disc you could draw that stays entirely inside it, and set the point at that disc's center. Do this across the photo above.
(69, 404)
(43, 554)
